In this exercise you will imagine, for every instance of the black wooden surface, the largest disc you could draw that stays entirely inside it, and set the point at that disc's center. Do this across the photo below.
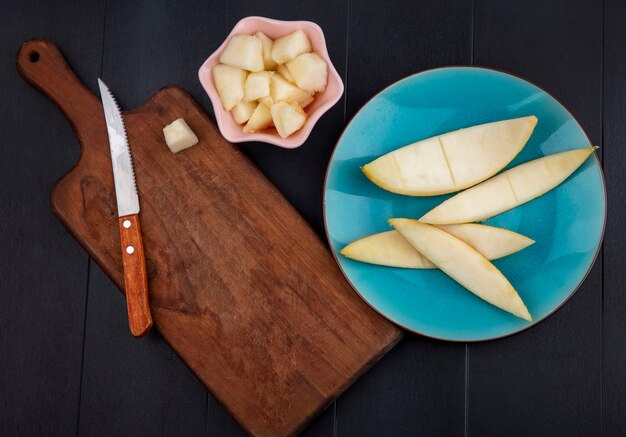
(68, 365)
(549, 381)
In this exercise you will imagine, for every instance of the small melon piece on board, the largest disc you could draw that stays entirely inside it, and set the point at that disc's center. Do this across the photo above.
(179, 136)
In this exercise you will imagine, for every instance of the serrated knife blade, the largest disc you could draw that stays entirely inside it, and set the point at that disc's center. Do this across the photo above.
(121, 159)
(133, 259)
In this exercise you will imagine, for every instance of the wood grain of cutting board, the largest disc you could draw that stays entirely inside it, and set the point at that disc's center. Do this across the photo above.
(240, 286)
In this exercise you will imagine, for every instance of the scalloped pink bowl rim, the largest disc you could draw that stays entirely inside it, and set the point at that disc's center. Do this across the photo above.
(322, 103)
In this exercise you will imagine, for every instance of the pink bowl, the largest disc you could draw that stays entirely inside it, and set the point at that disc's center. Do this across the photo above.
(322, 103)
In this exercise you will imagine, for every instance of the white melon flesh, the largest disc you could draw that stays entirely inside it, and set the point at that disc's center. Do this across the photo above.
(490, 241)
(509, 189)
(257, 86)
(281, 89)
(477, 153)
(386, 249)
(260, 119)
(402, 171)
(267, 101)
(306, 102)
(289, 46)
(452, 161)
(179, 136)
(245, 52)
(243, 111)
(287, 117)
(393, 250)
(463, 264)
(284, 72)
(309, 71)
(229, 84)
(267, 43)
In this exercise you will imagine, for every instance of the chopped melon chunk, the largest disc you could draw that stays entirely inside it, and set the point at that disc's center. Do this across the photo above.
(281, 89)
(267, 101)
(257, 86)
(288, 118)
(303, 104)
(261, 119)
(245, 52)
(179, 136)
(284, 72)
(268, 61)
(229, 84)
(243, 111)
(309, 71)
(289, 46)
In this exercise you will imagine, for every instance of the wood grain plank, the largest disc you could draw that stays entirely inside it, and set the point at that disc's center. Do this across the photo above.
(545, 381)
(44, 273)
(133, 386)
(614, 383)
(418, 388)
(148, 45)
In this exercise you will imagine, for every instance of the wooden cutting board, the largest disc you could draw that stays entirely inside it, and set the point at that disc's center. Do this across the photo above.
(240, 286)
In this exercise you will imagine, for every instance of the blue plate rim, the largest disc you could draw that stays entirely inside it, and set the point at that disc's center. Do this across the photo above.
(480, 340)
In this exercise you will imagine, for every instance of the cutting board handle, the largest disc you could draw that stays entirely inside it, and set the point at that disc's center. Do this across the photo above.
(41, 63)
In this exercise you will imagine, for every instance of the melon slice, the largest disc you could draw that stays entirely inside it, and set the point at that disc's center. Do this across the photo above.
(452, 161)
(393, 250)
(463, 264)
(509, 189)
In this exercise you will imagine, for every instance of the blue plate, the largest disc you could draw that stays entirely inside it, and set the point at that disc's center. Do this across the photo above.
(567, 223)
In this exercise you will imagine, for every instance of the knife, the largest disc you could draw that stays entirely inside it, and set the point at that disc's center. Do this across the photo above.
(135, 277)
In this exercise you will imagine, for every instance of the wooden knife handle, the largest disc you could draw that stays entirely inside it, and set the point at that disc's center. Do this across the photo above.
(135, 277)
